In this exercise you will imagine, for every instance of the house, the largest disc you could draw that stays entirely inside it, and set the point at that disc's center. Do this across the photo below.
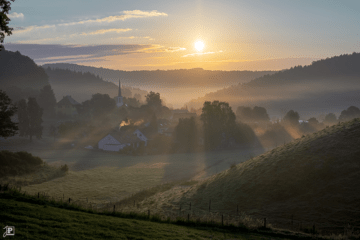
(116, 140)
(67, 106)
(141, 136)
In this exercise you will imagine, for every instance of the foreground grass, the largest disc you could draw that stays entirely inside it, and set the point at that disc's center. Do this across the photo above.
(40, 219)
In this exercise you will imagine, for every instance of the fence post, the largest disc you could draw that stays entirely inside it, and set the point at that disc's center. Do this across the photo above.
(38, 195)
(114, 208)
(264, 222)
(69, 200)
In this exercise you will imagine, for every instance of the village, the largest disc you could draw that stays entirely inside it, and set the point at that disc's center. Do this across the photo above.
(130, 134)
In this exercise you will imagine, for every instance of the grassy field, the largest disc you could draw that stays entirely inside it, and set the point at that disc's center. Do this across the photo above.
(312, 180)
(99, 177)
(40, 219)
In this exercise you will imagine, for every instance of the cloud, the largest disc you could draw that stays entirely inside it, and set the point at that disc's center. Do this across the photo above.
(125, 16)
(198, 54)
(31, 28)
(103, 31)
(16, 15)
(44, 53)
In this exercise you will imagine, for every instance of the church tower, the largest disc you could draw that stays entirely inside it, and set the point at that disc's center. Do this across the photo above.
(119, 99)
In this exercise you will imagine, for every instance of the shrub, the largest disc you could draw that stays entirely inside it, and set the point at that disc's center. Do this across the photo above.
(64, 168)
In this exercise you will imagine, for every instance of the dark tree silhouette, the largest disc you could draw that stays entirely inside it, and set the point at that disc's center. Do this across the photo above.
(186, 134)
(291, 118)
(350, 113)
(35, 114)
(23, 117)
(330, 118)
(47, 100)
(153, 99)
(4, 20)
(218, 123)
(7, 110)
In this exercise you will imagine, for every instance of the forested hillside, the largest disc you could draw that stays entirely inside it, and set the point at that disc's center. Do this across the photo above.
(328, 85)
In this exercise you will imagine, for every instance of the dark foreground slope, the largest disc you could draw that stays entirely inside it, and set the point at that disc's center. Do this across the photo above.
(41, 219)
(315, 179)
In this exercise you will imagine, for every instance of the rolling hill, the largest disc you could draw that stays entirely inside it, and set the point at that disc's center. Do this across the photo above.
(314, 180)
(81, 86)
(328, 85)
(196, 77)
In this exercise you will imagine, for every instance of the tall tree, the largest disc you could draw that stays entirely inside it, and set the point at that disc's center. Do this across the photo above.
(350, 113)
(153, 99)
(7, 110)
(47, 100)
(218, 123)
(292, 118)
(330, 119)
(23, 117)
(35, 114)
(4, 20)
(186, 134)
(153, 123)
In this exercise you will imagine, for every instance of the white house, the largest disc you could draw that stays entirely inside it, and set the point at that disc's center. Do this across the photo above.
(116, 141)
(141, 136)
(110, 143)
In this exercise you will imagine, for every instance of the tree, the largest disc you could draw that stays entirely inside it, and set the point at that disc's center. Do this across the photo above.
(186, 134)
(153, 99)
(292, 118)
(218, 123)
(35, 113)
(153, 124)
(244, 114)
(4, 20)
(23, 117)
(330, 119)
(100, 105)
(47, 100)
(350, 113)
(259, 114)
(7, 110)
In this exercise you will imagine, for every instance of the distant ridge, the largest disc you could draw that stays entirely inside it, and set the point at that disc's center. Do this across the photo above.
(331, 84)
(169, 78)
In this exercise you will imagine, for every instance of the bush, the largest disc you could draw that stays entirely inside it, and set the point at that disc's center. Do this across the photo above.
(18, 163)
(64, 168)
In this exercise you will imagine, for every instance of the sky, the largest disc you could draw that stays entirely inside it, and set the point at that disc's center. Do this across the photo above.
(149, 35)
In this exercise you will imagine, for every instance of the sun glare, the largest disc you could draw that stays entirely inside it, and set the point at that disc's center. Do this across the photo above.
(199, 45)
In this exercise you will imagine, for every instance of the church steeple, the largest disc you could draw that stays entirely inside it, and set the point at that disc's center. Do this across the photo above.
(119, 99)
(119, 94)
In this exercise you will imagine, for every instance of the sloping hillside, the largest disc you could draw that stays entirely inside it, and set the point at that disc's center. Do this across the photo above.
(314, 178)
(82, 86)
(20, 71)
(328, 85)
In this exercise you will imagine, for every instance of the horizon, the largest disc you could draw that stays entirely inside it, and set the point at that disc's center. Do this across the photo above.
(161, 35)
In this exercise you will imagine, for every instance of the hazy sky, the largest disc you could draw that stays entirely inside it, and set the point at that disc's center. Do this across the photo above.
(139, 35)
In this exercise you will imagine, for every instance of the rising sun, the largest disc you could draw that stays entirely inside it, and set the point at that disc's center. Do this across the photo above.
(199, 45)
